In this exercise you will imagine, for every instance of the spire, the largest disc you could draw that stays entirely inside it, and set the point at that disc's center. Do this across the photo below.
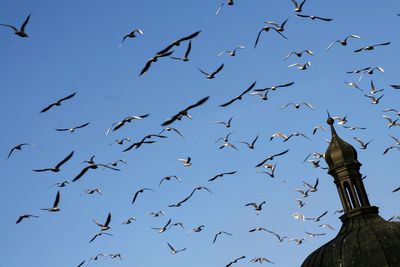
(341, 158)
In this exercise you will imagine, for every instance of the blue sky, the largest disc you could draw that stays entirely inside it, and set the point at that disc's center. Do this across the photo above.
(74, 47)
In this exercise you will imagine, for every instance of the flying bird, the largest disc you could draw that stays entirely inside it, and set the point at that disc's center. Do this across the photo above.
(314, 234)
(354, 85)
(226, 124)
(228, 2)
(185, 58)
(299, 54)
(212, 75)
(169, 129)
(260, 260)
(173, 250)
(71, 130)
(239, 97)
(97, 235)
(178, 42)
(168, 178)
(250, 145)
(370, 47)
(342, 42)
(92, 166)
(219, 233)
(374, 100)
(363, 145)
(140, 191)
(257, 207)
(104, 226)
(391, 122)
(318, 218)
(127, 120)
(57, 103)
(184, 112)
(220, 175)
(312, 188)
(318, 127)
(297, 106)
(138, 144)
(18, 147)
(164, 228)
(274, 87)
(154, 59)
(55, 207)
(298, 7)
(301, 66)
(186, 162)
(313, 17)
(121, 141)
(21, 31)
(132, 34)
(235, 261)
(25, 216)
(58, 166)
(266, 29)
(271, 158)
(232, 53)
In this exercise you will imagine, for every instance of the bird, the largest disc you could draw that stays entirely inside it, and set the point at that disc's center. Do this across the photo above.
(169, 129)
(269, 166)
(156, 214)
(301, 66)
(397, 112)
(280, 239)
(58, 102)
(299, 54)
(373, 89)
(154, 59)
(274, 87)
(186, 162)
(168, 178)
(220, 175)
(318, 127)
(177, 224)
(219, 233)
(62, 184)
(354, 85)
(327, 226)
(104, 226)
(25, 216)
(239, 97)
(162, 229)
(228, 2)
(260, 260)
(128, 119)
(391, 122)
(121, 141)
(299, 216)
(18, 147)
(341, 121)
(55, 207)
(178, 42)
(180, 202)
(197, 229)
(258, 229)
(318, 218)
(232, 53)
(225, 139)
(250, 145)
(266, 29)
(226, 124)
(116, 163)
(81, 264)
(352, 128)
(71, 130)
(374, 100)
(298, 241)
(129, 220)
(114, 256)
(297, 106)
(363, 145)
(132, 34)
(370, 47)
(395, 86)
(97, 235)
(313, 17)
(140, 191)
(257, 207)
(298, 7)
(271, 158)
(58, 166)
(300, 203)
(91, 166)
(227, 144)
(212, 74)
(184, 112)
(278, 27)
(21, 31)
(342, 42)
(314, 234)
(234, 261)
(138, 144)
(185, 58)
(200, 188)
(92, 191)
(303, 193)
(173, 250)
(312, 188)
(395, 190)
(391, 147)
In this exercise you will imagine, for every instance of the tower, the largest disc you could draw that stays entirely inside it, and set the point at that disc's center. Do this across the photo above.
(365, 239)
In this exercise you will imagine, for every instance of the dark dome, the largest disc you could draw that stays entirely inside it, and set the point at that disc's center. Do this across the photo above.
(365, 240)
(339, 152)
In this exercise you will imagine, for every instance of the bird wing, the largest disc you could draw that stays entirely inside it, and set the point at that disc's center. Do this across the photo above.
(25, 23)
(191, 36)
(219, 8)
(94, 237)
(57, 200)
(215, 237)
(146, 67)
(381, 44)
(170, 247)
(9, 26)
(135, 196)
(322, 215)
(202, 71)
(47, 108)
(189, 48)
(67, 97)
(218, 70)
(252, 204)
(84, 170)
(65, 160)
(324, 19)
(81, 126)
(198, 103)
(248, 89)
(258, 37)
(229, 102)
(108, 220)
(303, 16)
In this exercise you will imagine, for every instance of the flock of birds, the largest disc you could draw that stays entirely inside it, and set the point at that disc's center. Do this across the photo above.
(266, 166)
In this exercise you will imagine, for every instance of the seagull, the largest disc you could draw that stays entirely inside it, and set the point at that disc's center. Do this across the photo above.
(220, 175)
(162, 229)
(21, 31)
(219, 233)
(391, 122)
(177, 224)
(341, 121)
(315, 155)
(156, 214)
(168, 178)
(313, 17)
(180, 202)
(274, 87)
(154, 59)
(391, 147)
(128, 119)
(228, 2)
(132, 34)
(71, 130)
(17, 147)
(266, 29)
(200, 188)
(298, 241)
(257, 207)
(278, 27)
(250, 145)
(113, 256)
(300, 203)
(140, 191)
(25, 216)
(280, 239)
(352, 128)
(299, 216)
(81, 264)
(184, 112)
(397, 112)
(318, 127)
(260, 260)
(271, 158)
(354, 85)
(168, 129)
(226, 139)
(370, 47)
(58, 166)
(313, 234)
(185, 58)
(173, 250)
(55, 207)
(258, 229)
(233, 52)
(92, 191)
(363, 145)
(227, 144)
(226, 124)
(104, 227)
(212, 75)
(298, 7)
(326, 226)
(303, 193)
(121, 141)
(312, 188)
(58, 102)
(299, 54)
(62, 184)
(115, 163)
(374, 100)
(129, 220)
(186, 162)
(343, 42)
(234, 261)
(92, 166)
(373, 90)
(239, 97)
(143, 141)
(178, 42)
(318, 218)
(269, 166)
(301, 66)
(97, 235)
(297, 106)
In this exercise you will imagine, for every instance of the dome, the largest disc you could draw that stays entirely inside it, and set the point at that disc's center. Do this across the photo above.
(366, 240)
(339, 152)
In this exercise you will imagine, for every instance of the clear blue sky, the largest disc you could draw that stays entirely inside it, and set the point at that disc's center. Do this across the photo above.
(74, 47)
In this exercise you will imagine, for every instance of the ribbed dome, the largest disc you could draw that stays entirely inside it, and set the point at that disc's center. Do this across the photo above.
(363, 241)
(339, 152)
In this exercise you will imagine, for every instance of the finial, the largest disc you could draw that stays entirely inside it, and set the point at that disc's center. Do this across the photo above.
(329, 121)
